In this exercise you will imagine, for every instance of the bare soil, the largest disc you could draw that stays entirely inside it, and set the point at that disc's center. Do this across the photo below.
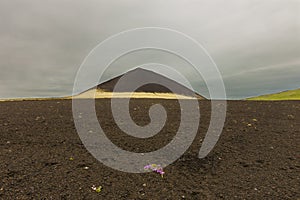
(257, 156)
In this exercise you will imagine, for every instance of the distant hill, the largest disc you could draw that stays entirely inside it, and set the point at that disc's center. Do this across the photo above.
(285, 95)
(138, 75)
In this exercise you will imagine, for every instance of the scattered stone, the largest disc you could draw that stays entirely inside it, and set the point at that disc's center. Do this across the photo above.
(291, 158)
(244, 164)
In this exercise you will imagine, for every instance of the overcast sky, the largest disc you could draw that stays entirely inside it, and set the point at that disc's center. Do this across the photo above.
(255, 43)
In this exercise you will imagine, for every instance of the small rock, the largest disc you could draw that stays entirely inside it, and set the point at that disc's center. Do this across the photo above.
(291, 158)
(244, 164)
(144, 185)
(260, 161)
(86, 168)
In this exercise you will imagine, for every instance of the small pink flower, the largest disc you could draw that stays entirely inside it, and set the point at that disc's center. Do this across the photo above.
(155, 168)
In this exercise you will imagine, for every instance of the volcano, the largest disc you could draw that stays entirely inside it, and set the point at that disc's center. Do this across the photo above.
(151, 90)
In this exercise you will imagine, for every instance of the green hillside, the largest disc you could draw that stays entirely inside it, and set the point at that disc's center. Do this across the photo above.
(285, 95)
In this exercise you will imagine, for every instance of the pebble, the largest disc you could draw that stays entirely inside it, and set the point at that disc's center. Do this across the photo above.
(144, 185)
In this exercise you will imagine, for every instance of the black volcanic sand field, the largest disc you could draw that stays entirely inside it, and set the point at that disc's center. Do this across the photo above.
(257, 156)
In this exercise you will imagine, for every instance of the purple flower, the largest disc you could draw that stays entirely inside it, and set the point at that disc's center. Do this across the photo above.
(155, 168)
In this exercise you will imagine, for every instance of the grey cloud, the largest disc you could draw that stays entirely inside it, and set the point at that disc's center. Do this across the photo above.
(42, 43)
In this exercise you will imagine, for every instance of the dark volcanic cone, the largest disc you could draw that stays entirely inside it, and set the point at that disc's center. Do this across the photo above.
(139, 75)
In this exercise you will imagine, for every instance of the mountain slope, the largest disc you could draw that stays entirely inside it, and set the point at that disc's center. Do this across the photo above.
(138, 76)
(285, 95)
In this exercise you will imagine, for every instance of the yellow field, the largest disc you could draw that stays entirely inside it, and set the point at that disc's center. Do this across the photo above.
(98, 94)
